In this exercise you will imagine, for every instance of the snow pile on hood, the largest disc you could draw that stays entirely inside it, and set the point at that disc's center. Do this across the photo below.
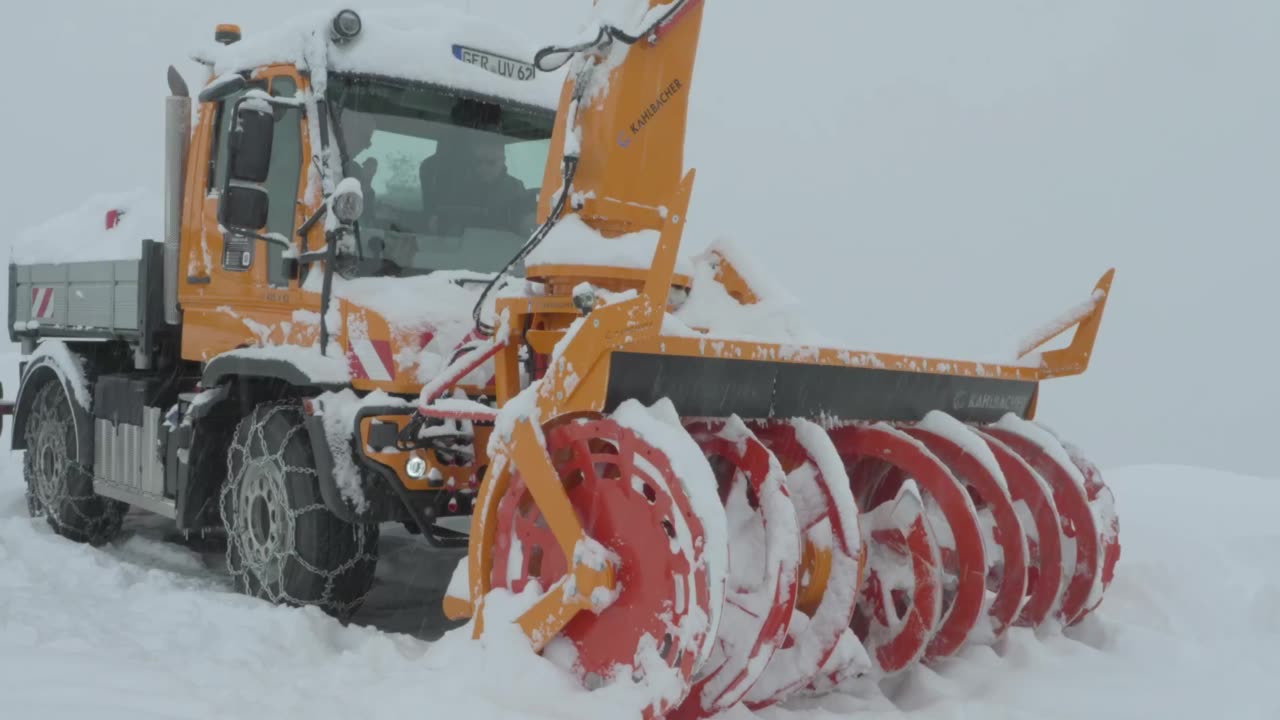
(411, 44)
(418, 303)
(436, 306)
(82, 234)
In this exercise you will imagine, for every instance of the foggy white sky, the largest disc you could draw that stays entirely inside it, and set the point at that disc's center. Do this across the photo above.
(933, 177)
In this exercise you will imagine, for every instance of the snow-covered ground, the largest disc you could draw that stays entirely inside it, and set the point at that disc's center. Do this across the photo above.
(148, 627)
(974, 163)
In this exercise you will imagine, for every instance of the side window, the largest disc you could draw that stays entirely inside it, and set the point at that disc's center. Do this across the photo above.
(283, 177)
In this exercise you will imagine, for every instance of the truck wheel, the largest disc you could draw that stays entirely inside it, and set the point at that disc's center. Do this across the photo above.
(283, 543)
(58, 488)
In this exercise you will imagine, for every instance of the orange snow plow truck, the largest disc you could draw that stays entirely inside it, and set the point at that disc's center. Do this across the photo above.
(398, 280)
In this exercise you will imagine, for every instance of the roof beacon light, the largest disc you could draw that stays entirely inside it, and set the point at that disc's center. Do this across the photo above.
(346, 26)
(227, 34)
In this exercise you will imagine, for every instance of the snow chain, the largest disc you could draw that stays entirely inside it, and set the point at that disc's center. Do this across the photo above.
(264, 552)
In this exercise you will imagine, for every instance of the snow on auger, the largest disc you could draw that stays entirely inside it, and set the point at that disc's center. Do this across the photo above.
(728, 520)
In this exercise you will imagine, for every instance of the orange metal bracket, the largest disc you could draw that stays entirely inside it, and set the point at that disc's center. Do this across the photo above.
(574, 384)
(658, 286)
(557, 607)
(1087, 318)
(737, 286)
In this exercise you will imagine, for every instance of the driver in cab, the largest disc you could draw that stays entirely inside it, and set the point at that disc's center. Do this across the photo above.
(466, 183)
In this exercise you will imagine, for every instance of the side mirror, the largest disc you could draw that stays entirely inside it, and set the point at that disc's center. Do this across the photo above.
(244, 205)
(243, 208)
(249, 147)
(222, 88)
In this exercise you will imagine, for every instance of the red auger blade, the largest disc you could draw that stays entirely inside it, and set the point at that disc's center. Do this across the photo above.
(1103, 504)
(828, 518)
(952, 518)
(1033, 501)
(630, 501)
(1079, 531)
(901, 602)
(975, 466)
(764, 560)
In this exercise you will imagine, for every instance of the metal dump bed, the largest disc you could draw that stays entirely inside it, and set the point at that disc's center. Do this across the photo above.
(95, 299)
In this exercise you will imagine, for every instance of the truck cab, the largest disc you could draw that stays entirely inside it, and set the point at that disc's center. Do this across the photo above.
(339, 197)
(449, 175)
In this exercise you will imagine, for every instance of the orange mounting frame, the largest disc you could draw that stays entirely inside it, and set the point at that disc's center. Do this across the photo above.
(576, 379)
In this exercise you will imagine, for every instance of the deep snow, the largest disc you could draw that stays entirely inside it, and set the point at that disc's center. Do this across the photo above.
(148, 627)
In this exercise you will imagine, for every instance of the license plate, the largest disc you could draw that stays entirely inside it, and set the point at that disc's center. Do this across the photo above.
(496, 64)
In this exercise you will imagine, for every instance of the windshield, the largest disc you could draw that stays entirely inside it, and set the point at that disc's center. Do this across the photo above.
(450, 183)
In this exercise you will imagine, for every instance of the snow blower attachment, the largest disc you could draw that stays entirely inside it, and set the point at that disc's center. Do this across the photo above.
(721, 520)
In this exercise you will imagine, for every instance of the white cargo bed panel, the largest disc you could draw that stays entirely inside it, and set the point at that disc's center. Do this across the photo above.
(78, 296)
(106, 298)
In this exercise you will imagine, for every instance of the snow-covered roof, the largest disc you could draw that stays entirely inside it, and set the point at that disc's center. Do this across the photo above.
(419, 45)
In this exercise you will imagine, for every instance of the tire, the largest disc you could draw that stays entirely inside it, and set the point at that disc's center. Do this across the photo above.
(283, 543)
(59, 488)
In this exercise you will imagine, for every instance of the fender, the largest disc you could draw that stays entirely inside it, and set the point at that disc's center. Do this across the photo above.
(240, 363)
(48, 365)
(381, 503)
(228, 367)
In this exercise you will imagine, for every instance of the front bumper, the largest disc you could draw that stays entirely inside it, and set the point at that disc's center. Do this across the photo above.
(382, 450)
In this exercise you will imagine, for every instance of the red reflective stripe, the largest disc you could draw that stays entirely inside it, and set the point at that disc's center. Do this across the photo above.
(383, 348)
(357, 367)
(41, 299)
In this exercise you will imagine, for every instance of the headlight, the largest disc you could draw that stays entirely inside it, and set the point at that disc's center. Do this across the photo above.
(348, 201)
(346, 25)
(416, 468)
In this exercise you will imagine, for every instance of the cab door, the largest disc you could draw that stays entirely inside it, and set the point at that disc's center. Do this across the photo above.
(236, 290)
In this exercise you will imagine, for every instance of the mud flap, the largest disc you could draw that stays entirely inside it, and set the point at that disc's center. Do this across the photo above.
(6, 407)
(323, 455)
(380, 504)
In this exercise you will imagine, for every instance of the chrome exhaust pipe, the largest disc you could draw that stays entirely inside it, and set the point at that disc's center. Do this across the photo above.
(177, 141)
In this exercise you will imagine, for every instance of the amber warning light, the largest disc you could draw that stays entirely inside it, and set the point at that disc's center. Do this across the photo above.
(227, 34)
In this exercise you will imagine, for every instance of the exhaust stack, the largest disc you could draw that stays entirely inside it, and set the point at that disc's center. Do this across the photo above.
(177, 140)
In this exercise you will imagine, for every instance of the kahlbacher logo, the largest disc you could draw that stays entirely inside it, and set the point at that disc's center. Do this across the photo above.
(989, 401)
(651, 112)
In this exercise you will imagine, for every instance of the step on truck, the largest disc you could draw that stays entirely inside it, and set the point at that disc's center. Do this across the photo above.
(335, 200)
